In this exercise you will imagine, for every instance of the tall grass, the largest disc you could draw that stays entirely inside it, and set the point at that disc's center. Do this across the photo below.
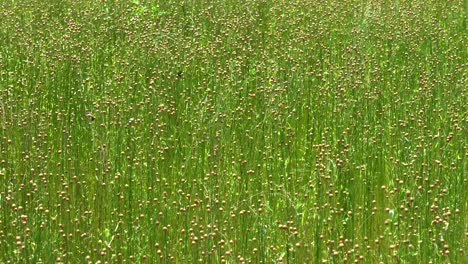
(233, 131)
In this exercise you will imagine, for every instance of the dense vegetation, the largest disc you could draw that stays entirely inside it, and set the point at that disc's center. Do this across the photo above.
(232, 131)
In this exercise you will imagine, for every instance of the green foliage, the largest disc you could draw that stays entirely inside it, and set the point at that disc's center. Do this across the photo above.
(233, 131)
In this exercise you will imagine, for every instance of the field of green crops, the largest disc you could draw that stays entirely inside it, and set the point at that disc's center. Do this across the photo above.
(229, 131)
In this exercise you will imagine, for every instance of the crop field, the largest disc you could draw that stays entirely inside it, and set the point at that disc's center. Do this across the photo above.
(229, 131)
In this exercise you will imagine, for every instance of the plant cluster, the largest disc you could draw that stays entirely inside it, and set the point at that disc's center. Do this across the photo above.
(233, 131)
